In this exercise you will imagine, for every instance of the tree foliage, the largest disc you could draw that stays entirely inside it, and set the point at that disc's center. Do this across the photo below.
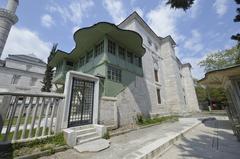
(182, 4)
(221, 59)
(215, 94)
(47, 80)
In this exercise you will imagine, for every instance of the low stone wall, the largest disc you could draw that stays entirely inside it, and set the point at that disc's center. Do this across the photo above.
(106, 111)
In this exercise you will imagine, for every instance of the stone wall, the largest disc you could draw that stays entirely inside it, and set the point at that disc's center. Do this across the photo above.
(6, 76)
(190, 93)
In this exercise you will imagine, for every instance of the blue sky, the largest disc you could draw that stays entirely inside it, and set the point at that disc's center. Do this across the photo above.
(205, 28)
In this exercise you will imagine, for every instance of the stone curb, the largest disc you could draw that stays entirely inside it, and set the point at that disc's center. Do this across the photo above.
(156, 149)
(43, 153)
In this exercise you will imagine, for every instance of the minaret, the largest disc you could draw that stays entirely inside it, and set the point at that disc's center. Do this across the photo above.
(7, 19)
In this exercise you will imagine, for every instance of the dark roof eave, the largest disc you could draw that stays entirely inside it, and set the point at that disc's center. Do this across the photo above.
(216, 71)
(67, 55)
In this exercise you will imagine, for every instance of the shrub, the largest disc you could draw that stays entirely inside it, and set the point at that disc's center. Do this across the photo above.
(139, 118)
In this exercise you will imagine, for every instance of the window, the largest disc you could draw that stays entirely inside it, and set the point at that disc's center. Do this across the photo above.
(139, 61)
(121, 53)
(33, 81)
(15, 79)
(111, 47)
(81, 61)
(156, 75)
(89, 56)
(185, 101)
(69, 63)
(114, 74)
(130, 57)
(99, 49)
(136, 60)
(158, 96)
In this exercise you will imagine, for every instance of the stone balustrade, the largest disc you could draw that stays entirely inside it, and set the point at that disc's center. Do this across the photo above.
(27, 116)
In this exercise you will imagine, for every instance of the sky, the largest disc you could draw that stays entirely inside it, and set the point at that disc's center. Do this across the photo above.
(201, 30)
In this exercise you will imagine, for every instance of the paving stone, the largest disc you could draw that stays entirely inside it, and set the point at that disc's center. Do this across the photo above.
(93, 146)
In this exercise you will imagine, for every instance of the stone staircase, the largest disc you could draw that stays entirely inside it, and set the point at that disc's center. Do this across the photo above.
(83, 134)
(86, 133)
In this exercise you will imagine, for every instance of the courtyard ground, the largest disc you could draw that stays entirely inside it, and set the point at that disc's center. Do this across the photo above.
(124, 145)
(213, 139)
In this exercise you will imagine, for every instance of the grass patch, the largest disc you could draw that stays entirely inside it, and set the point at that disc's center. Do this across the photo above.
(148, 121)
(10, 135)
(30, 147)
(22, 120)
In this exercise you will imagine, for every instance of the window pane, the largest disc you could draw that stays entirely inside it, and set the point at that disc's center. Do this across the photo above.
(114, 74)
(130, 57)
(69, 63)
(81, 61)
(140, 62)
(89, 56)
(99, 49)
(121, 53)
(158, 96)
(111, 47)
(156, 75)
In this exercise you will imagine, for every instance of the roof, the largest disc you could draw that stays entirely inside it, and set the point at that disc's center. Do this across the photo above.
(26, 58)
(215, 78)
(86, 37)
(136, 16)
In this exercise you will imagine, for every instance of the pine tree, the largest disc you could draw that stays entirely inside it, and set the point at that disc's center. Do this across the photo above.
(47, 80)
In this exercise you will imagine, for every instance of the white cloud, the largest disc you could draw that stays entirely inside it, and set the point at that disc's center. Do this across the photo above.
(47, 20)
(115, 9)
(25, 41)
(220, 7)
(74, 12)
(194, 10)
(163, 20)
(194, 43)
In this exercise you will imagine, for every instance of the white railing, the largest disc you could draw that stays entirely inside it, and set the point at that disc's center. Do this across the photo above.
(25, 116)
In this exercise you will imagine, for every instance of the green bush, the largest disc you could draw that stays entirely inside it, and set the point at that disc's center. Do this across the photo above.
(140, 118)
(158, 120)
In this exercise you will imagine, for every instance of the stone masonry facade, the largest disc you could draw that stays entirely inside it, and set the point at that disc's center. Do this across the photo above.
(178, 96)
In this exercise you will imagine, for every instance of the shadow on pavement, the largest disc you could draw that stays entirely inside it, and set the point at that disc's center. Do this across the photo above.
(214, 143)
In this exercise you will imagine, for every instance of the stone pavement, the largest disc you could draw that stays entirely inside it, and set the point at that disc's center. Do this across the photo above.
(213, 140)
(125, 144)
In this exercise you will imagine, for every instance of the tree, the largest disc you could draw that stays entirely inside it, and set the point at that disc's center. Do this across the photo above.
(186, 4)
(221, 59)
(47, 80)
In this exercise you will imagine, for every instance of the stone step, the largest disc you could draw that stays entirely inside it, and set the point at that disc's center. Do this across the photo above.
(85, 131)
(87, 140)
(83, 127)
(87, 135)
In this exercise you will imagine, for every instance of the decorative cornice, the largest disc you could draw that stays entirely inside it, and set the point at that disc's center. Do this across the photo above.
(9, 15)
